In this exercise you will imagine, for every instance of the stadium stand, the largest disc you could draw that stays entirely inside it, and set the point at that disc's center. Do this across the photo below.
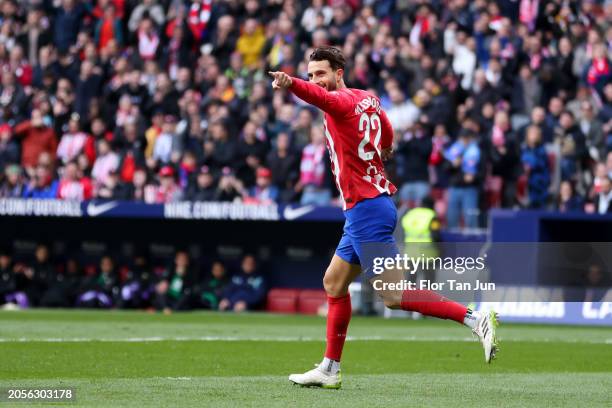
(162, 101)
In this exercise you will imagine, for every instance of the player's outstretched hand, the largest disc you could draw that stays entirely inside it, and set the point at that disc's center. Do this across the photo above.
(281, 80)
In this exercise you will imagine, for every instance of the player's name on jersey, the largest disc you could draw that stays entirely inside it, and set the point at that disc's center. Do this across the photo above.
(221, 211)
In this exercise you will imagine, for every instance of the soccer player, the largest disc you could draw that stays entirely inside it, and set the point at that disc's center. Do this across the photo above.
(359, 138)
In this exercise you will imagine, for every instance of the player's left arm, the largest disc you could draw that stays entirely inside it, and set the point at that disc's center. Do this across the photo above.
(386, 141)
(334, 102)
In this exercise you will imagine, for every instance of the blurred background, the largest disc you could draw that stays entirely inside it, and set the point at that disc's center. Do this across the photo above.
(146, 163)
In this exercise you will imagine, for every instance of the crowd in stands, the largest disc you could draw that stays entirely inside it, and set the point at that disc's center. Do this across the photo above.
(182, 285)
(494, 103)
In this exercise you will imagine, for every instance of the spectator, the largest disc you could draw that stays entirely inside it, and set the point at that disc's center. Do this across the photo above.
(568, 201)
(264, 192)
(592, 128)
(504, 156)
(250, 43)
(87, 87)
(37, 275)
(598, 72)
(526, 93)
(342, 23)
(106, 162)
(538, 118)
(10, 292)
(13, 184)
(149, 8)
(214, 286)
(63, 287)
(247, 289)
(36, 138)
(317, 8)
(439, 142)
(312, 171)
(34, 35)
(598, 180)
(535, 165)
(199, 17)
(148, 39)
(42, 184)
(300, 129)
(101, 289)
(127, 112)
(230, 188)
(153, 132)
(137, 290)
(284, 167)
(413, 152)
(176, 285)
(605, 115)
(73, 186)
(251, 152)
(75, 142)
(219, 149)
(68, 22)
(139, 186)
(572, 145)
(603, 200)
(402, 113)
(131, 152)
(108, 28)
(463, 161)
(113, 188)
(9, 148)
(168, 191)
(224, 41)
(204, 188)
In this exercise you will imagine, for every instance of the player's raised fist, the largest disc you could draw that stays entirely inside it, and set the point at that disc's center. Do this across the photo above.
(281, 80)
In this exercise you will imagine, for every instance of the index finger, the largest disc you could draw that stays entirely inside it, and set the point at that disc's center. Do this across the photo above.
(273, 73)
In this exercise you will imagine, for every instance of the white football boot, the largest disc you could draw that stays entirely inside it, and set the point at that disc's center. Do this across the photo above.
(485, 330)
(317, 377)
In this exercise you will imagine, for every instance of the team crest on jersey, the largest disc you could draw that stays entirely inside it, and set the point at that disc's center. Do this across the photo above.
(367, 103)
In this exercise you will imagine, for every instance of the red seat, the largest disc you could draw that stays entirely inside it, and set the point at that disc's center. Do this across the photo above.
(282, 301)
(310, 300)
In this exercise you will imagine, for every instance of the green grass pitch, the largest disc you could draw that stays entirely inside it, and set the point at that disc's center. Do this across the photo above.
(136, 359)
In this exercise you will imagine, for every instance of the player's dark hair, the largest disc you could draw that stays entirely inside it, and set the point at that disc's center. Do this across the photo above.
(332, 54)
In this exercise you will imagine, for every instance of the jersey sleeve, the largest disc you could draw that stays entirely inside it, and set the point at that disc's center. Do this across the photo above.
(334, 102)
(387, 131)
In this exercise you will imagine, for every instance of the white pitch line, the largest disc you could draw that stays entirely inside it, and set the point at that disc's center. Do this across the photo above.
(281, 339)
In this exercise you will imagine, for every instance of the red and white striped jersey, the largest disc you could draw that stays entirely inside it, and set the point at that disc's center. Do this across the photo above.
(356, 131)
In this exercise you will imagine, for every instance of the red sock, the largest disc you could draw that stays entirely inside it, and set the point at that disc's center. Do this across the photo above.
(338, 318)
(430, 303)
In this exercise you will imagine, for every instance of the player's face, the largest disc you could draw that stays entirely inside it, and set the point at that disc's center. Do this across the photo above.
(322, 74)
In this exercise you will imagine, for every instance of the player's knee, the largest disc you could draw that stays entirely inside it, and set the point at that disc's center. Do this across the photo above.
(333, 287)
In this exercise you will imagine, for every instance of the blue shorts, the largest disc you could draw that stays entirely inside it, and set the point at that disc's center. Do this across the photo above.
(368, 232)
